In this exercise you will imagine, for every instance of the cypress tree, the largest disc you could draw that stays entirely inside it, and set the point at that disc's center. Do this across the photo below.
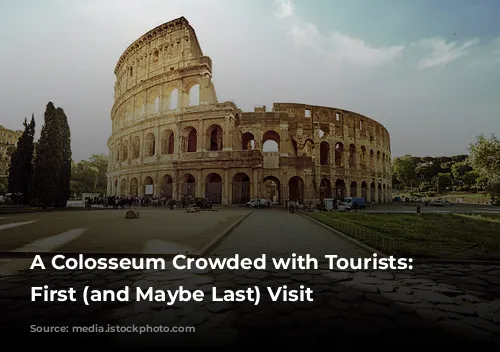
(63, 191)
(48, 160)
(21, 167)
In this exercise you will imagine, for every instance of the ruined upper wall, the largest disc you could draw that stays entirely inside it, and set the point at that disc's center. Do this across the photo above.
(169, 48)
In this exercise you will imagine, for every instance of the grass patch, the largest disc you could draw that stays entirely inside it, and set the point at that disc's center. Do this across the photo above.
(423, 235)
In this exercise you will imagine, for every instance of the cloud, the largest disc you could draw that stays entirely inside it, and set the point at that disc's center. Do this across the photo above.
(441, 53)
(285, 8)
(341, 48)
(356, 51)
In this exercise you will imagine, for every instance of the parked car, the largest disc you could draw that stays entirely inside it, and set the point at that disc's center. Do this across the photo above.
(258, 203)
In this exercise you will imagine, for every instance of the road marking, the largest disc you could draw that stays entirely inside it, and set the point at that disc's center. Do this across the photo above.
(14, 224)
(48, 244)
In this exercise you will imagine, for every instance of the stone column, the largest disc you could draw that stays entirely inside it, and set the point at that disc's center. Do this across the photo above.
(199, 184)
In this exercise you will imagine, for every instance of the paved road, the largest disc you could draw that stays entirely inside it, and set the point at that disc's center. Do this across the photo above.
(421, 308)
(278, 233)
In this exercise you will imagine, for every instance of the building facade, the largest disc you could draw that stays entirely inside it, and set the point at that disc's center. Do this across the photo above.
(8, 140)
(172, 138)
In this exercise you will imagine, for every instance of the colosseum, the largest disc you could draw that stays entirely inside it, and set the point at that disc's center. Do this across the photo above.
(172, 138)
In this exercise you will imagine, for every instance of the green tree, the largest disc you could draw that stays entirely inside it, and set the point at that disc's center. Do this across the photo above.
(21, 164)
(63, 189)
(100, 161)
(459, 169)
(470, 178)
(485, 159)
(443, 181)
(84, 177)
(48, 161)
(404, 167)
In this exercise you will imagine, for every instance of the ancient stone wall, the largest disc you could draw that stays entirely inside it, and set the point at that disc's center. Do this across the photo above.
(170, 131)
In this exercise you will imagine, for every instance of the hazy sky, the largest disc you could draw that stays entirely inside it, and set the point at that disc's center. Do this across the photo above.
(428, 70)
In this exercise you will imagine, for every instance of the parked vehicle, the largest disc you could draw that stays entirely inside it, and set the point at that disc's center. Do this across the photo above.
(355, 202)
(258, 203)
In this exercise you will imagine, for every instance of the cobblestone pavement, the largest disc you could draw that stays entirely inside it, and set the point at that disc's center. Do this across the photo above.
(454, 304)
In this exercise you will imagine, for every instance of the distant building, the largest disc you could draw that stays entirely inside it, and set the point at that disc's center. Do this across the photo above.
(8, 140)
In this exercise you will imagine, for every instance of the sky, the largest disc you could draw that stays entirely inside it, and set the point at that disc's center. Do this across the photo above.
(429, 71)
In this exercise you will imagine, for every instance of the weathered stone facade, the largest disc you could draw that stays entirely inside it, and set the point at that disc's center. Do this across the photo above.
(8, 140)
(172, 138)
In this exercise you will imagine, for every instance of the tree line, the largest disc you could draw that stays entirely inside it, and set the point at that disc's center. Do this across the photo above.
(40, 172)
(478, 170)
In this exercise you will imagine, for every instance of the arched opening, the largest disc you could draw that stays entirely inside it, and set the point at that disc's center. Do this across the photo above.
(150, 145)
(295, 148)
(372, 192)
(363, 156)
(213, 191)
(272, 189)
(136, 147)
(352, 156)
(379, 200)
(125, 151)
(215, 135)
(247, 141)
(324, 153)
(167, 142)
(241, 188)
(340, 190)
(325, 189)
(174, 99)
(296, 189)
(364, 191)
(134, 188)
(117, 152)
(123, 188)
(372, 160)
(148, 187)
(194, 95)
(166, 187)
(308, 149)
(384, 194)
(339, 152)
(271, 142)
(190, 138)
(354, 189)
(188, 186)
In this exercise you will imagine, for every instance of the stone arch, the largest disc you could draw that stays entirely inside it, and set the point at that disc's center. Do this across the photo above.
(247, 141)
(167, 142)
(136, 147)
(379, 188)
(271, 141)
(166, 189)
(215, 137)
(372, 193)
(340, 189)
(194, 95)
(325, 189)
(339, 154)
(354, 189)
(190, 139)
(352, 156)
(372, 159)
(213, 188)
(124, 153)
(150, 144)
(272, 189)
(324, 153)
(118, 152)
(134, 187)
(240, 188)
(363, 155)
(174, 99)
(384, 193)
(188, 186)
(123, 188)
(364, 191)
(148, 186)
(296, 189)
(308, 149)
